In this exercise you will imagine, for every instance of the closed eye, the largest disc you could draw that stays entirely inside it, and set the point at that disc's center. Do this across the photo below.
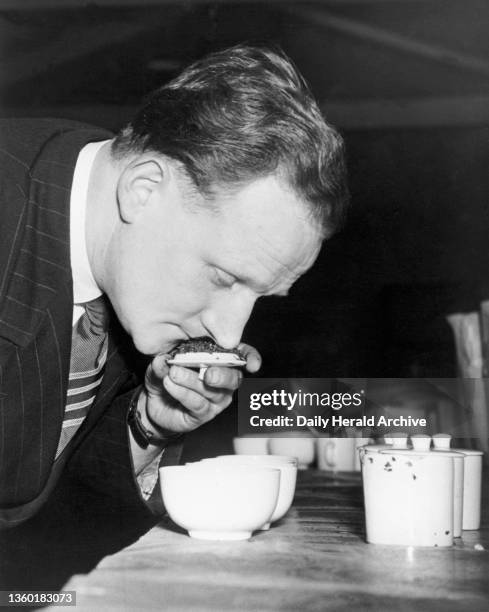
(222, 278)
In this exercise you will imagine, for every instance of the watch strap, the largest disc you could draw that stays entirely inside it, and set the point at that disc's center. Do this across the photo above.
(143, 437)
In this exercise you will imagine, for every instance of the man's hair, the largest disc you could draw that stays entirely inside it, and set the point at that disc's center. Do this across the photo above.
(238, 115)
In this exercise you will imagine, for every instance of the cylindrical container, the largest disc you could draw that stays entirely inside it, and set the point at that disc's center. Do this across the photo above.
(458, 489)
(472, 481)
(408, 497)
(360, 443)
(472, 488)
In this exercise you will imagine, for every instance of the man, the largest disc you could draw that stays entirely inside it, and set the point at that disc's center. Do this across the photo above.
(219, 192)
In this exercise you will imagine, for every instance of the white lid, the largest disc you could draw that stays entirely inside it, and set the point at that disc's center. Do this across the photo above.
(419, 453)
(397, 438)
(376, 448)
(421, 442)
(400, 440)
(442, 441)
(449, 453)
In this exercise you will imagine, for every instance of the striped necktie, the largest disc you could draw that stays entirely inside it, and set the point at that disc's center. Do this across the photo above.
(88, 356)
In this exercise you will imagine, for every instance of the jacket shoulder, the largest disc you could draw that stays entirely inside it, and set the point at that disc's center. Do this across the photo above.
(22, 139)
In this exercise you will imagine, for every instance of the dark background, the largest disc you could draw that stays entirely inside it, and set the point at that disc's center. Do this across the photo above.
(406, 82)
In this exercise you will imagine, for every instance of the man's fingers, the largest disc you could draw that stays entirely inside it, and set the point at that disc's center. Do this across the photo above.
(198, 406)
(253, 357)
(218, 381)
(157, 370)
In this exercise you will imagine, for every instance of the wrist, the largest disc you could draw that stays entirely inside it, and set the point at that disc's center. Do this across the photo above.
(144, 430)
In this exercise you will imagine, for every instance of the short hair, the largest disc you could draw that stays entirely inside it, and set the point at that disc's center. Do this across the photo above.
(240, 114)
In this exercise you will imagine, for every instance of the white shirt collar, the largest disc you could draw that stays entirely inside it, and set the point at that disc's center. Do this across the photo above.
(85, 288)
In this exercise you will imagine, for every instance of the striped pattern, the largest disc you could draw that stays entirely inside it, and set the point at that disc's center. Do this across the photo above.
(88, 357)
(36, 301)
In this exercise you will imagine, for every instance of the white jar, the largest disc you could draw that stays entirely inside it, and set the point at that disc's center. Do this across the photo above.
(408, 497)
(458, 489)
(472, 488)
(472, 481)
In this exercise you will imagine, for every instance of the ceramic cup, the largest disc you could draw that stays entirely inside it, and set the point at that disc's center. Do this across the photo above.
(220, 502)
(251, 445)
(295, 445)
(336, 454)
(288, 477)
(408, 497)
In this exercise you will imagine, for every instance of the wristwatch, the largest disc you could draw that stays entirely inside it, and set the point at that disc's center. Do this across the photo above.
(144, 437)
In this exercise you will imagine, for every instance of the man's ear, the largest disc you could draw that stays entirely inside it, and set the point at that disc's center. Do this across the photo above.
(137, 183)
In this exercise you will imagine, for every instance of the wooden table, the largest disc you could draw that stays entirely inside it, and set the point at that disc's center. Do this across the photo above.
(316, 558)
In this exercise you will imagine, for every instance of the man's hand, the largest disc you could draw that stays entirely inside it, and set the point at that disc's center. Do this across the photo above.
(177, 401)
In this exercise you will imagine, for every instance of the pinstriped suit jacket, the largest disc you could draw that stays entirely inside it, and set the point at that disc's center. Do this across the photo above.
(37, 160)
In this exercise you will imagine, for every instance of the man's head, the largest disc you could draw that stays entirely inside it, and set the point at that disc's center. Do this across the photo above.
(228, 180)
(242, 114)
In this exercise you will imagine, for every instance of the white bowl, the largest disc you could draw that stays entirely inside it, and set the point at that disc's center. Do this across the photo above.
(220, 502)
(288, 477)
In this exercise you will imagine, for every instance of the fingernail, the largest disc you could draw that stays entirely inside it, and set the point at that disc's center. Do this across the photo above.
(177, 375)
(212, 377)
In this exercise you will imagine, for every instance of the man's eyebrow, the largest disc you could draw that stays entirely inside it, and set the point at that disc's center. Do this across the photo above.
(261, 288)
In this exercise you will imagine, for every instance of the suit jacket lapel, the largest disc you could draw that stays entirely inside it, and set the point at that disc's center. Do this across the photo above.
(35, 251)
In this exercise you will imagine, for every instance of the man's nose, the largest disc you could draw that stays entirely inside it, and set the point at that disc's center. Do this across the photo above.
(225, 322)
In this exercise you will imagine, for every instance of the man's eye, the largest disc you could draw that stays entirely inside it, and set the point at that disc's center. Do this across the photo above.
(223, 279)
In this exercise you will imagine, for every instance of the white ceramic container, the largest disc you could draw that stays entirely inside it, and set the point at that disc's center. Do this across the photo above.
(336, 454)
(288, 477)
(220, 502)
(295, 445)
(408, 497)
(472, 481)
(251, 445)
(472, 488)
(360, 443)
(458, 489)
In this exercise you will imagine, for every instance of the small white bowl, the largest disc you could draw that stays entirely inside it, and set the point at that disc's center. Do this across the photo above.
(288, 477)
(220, 502)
